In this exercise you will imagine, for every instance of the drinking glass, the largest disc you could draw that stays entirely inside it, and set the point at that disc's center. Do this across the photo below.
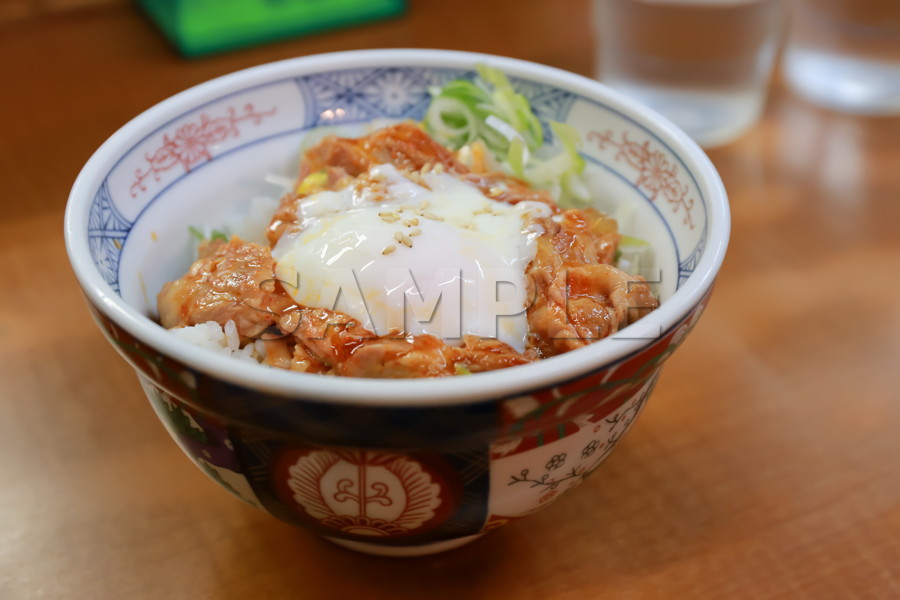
(845, 54)
(704, 64)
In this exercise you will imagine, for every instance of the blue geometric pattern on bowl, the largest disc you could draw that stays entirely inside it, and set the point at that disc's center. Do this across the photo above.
(361, 95)
(107, 230)
(687, 266)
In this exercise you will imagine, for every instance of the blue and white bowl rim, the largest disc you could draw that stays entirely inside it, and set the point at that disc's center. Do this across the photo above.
(414, 392)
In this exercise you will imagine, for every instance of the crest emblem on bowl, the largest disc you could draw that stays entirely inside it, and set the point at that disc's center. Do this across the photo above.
(367, 493)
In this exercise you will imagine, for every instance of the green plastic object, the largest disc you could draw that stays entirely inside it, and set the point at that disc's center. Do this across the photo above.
(198, 27)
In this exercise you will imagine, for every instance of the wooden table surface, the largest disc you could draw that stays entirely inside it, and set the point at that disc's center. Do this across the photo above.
(767, 464)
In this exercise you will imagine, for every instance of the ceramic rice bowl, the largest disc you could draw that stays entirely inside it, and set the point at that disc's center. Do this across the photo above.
(383, 466)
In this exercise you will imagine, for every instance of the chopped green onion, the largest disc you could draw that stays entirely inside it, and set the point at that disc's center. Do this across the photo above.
(451, 121)
(627, 240)
(571, 143)
(489, 109)
(564, 169)
(516, 157)
(512, 107)
(503, 128)
(215, 234)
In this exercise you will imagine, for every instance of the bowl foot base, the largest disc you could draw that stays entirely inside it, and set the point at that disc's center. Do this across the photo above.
(421, 550)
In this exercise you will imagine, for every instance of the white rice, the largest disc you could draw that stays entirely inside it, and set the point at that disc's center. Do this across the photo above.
(250, 224)
(224, 340)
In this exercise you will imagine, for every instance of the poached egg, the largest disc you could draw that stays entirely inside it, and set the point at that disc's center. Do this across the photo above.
(432, 255)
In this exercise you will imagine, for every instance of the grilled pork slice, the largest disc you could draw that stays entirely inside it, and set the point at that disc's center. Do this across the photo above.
(231, 281)
(579, 297)
(335, 163)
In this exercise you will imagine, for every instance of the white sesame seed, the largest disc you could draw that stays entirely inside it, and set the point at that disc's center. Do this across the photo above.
(403, 239)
